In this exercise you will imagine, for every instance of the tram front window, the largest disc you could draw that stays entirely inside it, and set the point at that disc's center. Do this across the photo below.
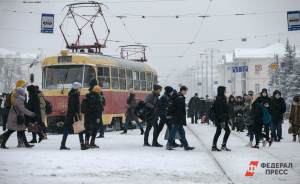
(57, 77)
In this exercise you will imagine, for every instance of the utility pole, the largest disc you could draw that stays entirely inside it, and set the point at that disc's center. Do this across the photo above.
(211, 72)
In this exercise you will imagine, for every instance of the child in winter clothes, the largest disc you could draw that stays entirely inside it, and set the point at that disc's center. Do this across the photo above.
(295, 118)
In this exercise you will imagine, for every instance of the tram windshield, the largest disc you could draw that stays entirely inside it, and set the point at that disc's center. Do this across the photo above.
(63, 76)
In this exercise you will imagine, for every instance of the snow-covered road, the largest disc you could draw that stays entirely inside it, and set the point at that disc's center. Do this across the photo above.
(123, 159)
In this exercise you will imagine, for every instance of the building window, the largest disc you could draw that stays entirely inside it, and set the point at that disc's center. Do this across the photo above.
(129, 78)
(149, 79)
(257, 88)
(115, 78)
(104, 77)
(122, 78)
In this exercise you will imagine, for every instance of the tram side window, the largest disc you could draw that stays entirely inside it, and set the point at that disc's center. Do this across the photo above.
(136, 80)
(89, 74)
(143, 81)
(129, 78)
(155, 79)
(115, 78)
(149, 79)
(103, 77)
(122, 78)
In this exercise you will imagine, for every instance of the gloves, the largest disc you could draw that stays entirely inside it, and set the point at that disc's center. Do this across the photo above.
(98, 120)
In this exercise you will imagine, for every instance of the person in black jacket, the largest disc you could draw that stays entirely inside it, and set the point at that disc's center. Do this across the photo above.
(193, 106)
(101, 126)
(73, 114)
(221, 113)
(33, 105)
(151, 117)
(92, 116)
(163, 106)
(179, 120)
(231, 103)
(277, 109)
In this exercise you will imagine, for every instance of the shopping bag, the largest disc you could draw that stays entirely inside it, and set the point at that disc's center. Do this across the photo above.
(78, 126)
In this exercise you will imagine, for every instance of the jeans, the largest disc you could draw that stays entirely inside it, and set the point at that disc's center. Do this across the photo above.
(276, 129)
(194, 117)
(160, 126)
(150, 124)
(65, 136)
(218, 133)
(177, 127)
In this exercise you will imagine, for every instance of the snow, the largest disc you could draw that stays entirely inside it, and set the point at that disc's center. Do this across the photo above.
(123, 159)
(265, 52)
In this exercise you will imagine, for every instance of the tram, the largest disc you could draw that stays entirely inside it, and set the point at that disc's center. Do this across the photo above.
(116, 77)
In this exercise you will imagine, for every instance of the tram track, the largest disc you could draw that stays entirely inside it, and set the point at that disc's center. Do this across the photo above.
(215, 160)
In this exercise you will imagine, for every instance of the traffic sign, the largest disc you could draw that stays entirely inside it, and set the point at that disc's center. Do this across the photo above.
(47, 23)
(238, 69)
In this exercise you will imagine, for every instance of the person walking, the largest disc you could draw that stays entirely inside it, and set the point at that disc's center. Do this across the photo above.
(92, 116)
(221, 116)
(277, 110)
(151, 114)
(294, 118)
(4, 111)
(16, 120)
(73, 114)
(163, 106)
(101, 126)
(193, 107)
(43, 111)
(34, 105)
(130, 113)
(179, 121)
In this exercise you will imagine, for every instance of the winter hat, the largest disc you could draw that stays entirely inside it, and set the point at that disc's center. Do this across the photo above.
(20, 91)
(76, 85)
(20, 83)
(96, 89)
(264, 90)
(276, 92)
(168, 89)
(183, 88)
(156, 87)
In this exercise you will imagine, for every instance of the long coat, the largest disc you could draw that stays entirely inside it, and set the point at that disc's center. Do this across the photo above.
(131, 106)
(20, 110)
(42, 106)
(295, 118)
(73, 109)
(180, 110)
(94, 112)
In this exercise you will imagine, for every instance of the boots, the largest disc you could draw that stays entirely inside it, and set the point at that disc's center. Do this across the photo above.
(156, 144)
(215, 148)
(224, 148)
(20, 143)
(188, 148)
(294, 138)
(142, 131)
(87, 145)
(124, 132)
(62, 147)
(82, 146)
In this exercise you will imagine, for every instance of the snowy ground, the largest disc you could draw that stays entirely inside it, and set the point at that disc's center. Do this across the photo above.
(123, 159)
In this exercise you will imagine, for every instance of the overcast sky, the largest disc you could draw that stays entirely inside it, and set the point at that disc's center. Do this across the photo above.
(20, 31)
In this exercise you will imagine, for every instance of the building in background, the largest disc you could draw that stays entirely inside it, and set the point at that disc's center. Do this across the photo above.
(248, 68)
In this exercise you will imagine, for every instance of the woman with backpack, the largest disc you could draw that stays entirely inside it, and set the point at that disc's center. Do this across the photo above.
(73, 114)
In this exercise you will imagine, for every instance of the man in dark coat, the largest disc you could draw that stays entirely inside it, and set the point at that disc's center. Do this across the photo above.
(277, 109)
(221, 113)
(179, 120)
(193, 106)
(163, 106)
(73, 114)
(151, 117)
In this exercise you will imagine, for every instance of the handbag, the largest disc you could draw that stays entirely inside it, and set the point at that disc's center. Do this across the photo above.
(20, 118)
(78, 126)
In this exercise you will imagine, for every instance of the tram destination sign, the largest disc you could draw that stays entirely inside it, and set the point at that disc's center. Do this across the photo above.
(47, 23)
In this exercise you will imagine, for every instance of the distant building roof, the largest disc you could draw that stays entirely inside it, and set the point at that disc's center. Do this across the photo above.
(265, 52)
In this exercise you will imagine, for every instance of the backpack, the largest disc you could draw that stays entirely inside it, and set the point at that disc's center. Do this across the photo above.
(266, 116)
(140, 110)
(83, 106)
